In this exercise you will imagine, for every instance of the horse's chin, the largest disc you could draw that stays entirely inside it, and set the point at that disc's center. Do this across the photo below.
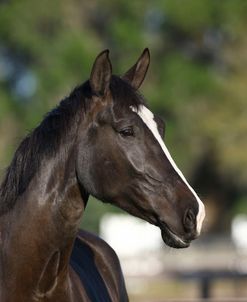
(172, 239)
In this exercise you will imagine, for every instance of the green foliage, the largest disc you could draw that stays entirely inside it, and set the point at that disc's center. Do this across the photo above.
(240, 206)
(191, 15)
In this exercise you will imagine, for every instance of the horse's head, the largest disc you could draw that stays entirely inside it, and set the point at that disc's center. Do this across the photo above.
(122, 158)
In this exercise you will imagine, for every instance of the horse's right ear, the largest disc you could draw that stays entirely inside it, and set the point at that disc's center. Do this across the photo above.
(101, 74)
(136, 74)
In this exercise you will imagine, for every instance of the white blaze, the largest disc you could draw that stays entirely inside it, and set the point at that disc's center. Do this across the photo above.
(148, 118)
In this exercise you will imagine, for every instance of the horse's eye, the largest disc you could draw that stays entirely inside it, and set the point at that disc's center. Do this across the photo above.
(127, 131)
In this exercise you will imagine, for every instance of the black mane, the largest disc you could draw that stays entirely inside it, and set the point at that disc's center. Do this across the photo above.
(44, 141)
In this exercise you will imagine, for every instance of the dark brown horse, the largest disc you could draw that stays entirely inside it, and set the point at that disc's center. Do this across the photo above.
(101, 140)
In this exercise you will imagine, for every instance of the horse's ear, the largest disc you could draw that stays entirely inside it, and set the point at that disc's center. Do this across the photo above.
(136, 74)
(101, 74)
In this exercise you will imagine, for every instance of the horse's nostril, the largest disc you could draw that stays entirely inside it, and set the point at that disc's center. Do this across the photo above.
(189, 220)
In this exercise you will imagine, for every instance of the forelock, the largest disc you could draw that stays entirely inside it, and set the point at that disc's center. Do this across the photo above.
(124, 95)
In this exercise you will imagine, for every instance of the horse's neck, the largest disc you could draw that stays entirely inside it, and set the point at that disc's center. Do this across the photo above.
(39, 231)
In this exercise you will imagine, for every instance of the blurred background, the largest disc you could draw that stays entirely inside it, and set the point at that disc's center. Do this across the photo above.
(196, 82)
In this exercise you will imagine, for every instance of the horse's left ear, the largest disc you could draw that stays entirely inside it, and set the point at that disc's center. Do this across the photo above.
(101, 74)
(136, 74)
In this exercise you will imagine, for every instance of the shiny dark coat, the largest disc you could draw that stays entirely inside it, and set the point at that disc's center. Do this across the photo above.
(92, 143)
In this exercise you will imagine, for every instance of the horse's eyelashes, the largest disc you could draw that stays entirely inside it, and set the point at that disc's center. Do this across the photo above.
(129, 131)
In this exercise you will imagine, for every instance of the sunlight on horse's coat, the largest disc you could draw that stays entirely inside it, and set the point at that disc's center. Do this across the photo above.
(148, 118)
(92, 143)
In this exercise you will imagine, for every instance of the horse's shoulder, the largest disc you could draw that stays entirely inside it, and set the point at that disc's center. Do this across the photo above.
(102, 251)
(107, 262)
(98, 246)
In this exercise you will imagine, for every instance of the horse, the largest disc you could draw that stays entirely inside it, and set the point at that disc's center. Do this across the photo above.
(101, 140)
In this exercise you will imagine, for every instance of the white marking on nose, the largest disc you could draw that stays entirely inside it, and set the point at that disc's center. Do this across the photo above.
(148, 118)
